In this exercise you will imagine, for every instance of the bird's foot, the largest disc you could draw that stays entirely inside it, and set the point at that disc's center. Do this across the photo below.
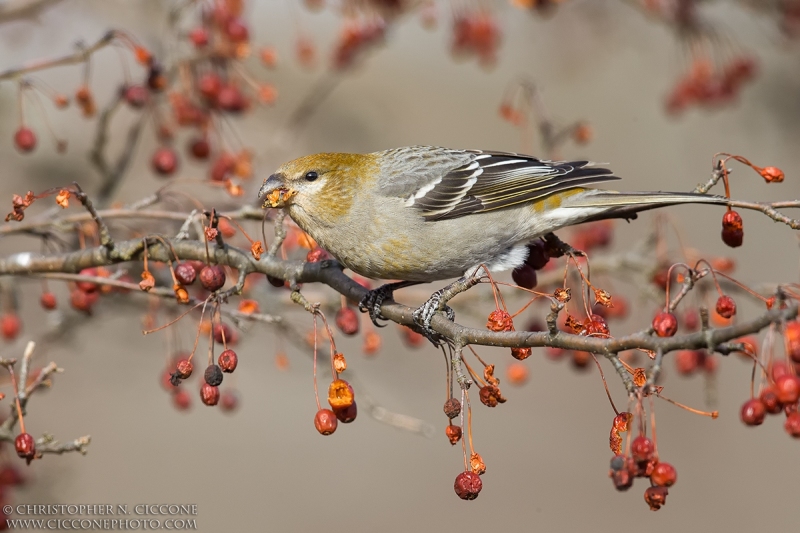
(425, 313)
(371, 303)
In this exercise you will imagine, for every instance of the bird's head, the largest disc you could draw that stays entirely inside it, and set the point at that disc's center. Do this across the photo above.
(323, 185)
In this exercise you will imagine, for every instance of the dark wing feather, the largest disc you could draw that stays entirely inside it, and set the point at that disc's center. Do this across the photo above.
(495, 180)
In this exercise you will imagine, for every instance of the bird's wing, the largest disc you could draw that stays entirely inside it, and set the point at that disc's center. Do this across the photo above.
(452, 183)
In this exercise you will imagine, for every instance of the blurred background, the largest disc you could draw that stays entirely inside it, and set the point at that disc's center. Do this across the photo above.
(611, 63)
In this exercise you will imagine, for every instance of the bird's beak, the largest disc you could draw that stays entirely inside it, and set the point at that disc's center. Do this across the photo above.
(275, 192)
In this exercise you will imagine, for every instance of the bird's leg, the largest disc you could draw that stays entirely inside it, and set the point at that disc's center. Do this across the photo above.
(438, 302)
(371, 303)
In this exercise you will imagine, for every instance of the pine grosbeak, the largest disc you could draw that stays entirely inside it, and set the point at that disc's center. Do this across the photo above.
(422, 213)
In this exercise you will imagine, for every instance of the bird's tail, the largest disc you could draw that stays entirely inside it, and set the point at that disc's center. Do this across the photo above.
(627, 204)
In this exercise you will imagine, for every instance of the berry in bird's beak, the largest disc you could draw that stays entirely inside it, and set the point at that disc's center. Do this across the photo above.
(275, 193)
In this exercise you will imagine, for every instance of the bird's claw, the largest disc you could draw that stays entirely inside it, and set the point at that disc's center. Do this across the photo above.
(371, 303)
(424, 314)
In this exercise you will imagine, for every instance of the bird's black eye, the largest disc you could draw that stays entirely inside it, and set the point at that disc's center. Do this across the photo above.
(311, 176)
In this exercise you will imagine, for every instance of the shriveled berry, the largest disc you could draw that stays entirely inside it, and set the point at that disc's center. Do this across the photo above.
(642, 449)
(521, 354)
(10, 324)
(339, 362)
(453, 433)
(25, 139)
(209, 394)
(468, 485)
(656, 497)
(325, 421)
(623, 480)
(792, 425)
(48, 300)
(753, 412)
(340, 394)
(665, 324)
(229, 401)
(346, 320)
(788, 388)
(769, 397)
(726, 307)
(164, 161)
(490, 396)
(25, 446)
(524, 276)
(500, 320)
(227, 361)
(347, 415)
(184, 368)
(732, 231)
(664, 475)
(185, 273)
(212, 277)
(452, 408)
(213, 375)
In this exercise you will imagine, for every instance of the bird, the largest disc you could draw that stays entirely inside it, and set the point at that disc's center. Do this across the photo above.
(420, 214)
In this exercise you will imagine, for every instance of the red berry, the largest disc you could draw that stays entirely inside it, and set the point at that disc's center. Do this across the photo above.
(10, 325)
(524, 276)
(25, 139)
(236, 30)
(181, 399)
(227, 361)
(209, 394)
(346, 415)
(792, 425)
(224, 334)
(687, 361)
(665, 324)
(787, 388)
(230, 99)
(199, 36)
(48, 300)
(769, 397)
(664, 475)
(209, 86)
(325, 421)
(185, 273)
(88, 286)
(136, 96)
(82, 301)
(642, 449)
(212, 277)
(229, 401)
(778, 369)
(184, 368)
(199, 148)
(25, 446)
(726, 307)
(164, 161)
(753, 412)
(468, 485)
(346, 320)
(732, 231)
(537, 255)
